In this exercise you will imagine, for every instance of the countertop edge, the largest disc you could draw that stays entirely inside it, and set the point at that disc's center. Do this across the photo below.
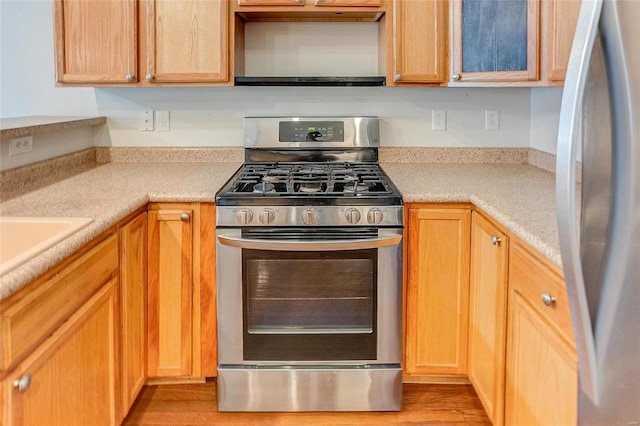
(24, 126)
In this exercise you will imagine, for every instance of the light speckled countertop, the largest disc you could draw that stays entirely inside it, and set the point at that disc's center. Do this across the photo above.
(520, 197)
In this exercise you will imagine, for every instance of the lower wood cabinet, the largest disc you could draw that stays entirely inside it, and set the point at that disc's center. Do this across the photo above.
(181, 291)
(133, 309)
(171, 279)
(71, 378)
(437, 293)
(541, 370)
(488, 314)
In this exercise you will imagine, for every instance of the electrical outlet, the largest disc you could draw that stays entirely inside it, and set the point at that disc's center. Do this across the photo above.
(162, 121)
(439, 119)
(146, 121)
(20, 145)
(491, 119)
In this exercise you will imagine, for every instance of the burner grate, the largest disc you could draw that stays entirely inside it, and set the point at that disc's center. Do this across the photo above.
(309, 179)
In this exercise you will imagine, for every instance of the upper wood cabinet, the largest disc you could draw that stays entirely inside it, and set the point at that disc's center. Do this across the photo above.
(437, 290)
(488, 314)
(417, 42)
(95, 41)
(152, 42)
(559, 18)
(495, 41)
(185, 41)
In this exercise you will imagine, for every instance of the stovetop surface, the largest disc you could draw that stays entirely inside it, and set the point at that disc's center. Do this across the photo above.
(320, 183)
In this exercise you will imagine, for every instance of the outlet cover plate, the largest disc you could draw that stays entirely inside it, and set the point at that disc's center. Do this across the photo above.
(439, 119)
(146, 121)
(20, 145)
(492, 119)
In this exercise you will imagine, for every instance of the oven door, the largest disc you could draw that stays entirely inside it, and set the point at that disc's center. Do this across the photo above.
(290, 296)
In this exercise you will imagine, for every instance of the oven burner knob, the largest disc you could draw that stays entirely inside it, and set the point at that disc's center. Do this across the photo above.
(267, 216)
(374, 216)
(309, 217)
(352, 216)
(244, 216)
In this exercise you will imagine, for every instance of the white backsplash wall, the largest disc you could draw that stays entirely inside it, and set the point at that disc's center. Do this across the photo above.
(326, 49)
(213, 116)
(545, 117)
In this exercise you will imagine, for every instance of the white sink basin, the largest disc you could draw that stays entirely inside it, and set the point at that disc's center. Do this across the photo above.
(22, 238)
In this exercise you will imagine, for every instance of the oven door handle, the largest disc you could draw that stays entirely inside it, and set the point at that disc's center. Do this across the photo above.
(315, 245)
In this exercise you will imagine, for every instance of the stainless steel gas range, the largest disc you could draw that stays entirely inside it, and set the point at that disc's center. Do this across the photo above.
(309, 270)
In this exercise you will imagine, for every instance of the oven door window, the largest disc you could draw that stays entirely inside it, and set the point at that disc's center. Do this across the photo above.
(309, 306)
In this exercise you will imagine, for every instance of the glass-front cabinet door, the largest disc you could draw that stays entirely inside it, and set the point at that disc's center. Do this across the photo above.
(495, 40)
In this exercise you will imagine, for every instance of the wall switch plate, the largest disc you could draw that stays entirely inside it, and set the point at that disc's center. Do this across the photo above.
(491, 119)
(439, 119)
(162, 121)
(20, 145)
(146, 121)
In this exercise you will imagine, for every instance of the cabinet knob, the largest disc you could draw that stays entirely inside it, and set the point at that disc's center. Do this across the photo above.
(397, 77)
(495, 240)
(23, 383)
(548, 299)
(455, 77)
(129, 77)
(149, 77)
(185, 217)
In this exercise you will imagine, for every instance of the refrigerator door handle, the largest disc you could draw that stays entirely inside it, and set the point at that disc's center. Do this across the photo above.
(566, 203)
(622, 240)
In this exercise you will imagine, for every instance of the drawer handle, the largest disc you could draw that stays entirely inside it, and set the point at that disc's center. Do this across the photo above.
(23, 383)
(548, 299)
(495, 240)
(185, 217)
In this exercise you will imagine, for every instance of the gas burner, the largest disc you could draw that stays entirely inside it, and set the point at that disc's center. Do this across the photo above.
(357, 187)
(272, 179)
(263, 188)
(310, 187)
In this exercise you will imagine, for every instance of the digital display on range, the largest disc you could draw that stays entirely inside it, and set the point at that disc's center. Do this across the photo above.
(311, 131)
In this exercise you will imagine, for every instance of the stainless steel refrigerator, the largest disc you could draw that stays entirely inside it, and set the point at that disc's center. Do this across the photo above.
(599, 218)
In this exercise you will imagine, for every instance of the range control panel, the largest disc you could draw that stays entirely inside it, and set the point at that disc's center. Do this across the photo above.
(311, 131)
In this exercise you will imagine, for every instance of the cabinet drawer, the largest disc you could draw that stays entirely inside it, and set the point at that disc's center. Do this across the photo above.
(31, 319)
(532, 278)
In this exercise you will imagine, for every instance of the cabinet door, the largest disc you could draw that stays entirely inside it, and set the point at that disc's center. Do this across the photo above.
(133, 308)
(495, 40)
(488, 315)
(69, 379)
(541, 374)
(559, 21)
(418, 38)
(186, 41)
(542, 383)
(437, 291)
(95, 41)
(170, 292)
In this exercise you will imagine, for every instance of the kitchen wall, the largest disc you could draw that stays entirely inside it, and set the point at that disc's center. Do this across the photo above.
(213, 116)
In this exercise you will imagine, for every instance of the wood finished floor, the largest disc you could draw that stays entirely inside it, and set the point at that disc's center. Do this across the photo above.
(195, 404)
